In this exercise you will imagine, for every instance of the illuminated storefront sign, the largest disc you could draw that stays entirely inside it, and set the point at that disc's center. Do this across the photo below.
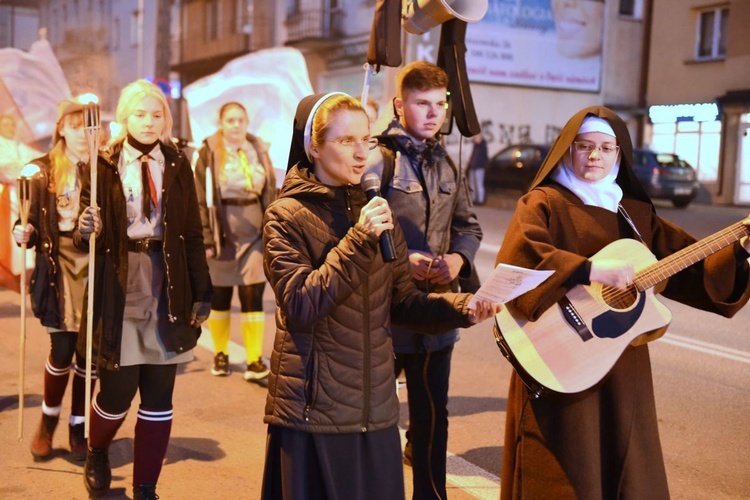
(671, 113)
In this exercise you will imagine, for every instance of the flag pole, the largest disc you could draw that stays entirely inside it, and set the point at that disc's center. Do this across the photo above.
(92, 127)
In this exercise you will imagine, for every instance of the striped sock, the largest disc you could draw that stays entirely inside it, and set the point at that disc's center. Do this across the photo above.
(152, 431)
(103, 426)
(55, 382)
(79, 392)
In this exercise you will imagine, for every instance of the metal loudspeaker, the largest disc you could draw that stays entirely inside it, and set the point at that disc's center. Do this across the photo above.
(420, 16)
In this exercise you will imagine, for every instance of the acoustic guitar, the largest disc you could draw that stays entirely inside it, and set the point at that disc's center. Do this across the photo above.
(575, 343)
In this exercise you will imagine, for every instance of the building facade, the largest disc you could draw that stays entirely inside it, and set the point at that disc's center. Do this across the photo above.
(102, 45)
(698, 91)
(19, 22)
(333, 35)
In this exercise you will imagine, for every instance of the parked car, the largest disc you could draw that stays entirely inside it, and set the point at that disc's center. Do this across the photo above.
(515, 167)
(666, 175)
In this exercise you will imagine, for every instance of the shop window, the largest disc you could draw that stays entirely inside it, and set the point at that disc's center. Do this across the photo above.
(712, 34)
(696, 142)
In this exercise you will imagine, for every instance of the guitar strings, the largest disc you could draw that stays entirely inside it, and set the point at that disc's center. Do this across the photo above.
(660, 271)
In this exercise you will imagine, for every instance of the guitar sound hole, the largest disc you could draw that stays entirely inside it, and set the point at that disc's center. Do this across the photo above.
(619, 299)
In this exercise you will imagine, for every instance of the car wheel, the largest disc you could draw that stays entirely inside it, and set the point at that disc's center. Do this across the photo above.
(681, 202)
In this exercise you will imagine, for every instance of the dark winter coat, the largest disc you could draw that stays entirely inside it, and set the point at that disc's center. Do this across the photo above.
(430, 200)
(187, 277)
(332, 361)
(46, 283)
(602, 443)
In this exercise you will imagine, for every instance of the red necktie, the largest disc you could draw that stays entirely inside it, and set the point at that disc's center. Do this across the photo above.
(150, 196)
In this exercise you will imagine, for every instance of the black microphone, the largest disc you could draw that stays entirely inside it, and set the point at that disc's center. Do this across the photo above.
(371, 186)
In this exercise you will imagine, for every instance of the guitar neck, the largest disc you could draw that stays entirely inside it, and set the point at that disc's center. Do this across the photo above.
(688, 256)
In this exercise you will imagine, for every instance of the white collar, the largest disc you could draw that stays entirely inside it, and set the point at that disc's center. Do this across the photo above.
(130, 154)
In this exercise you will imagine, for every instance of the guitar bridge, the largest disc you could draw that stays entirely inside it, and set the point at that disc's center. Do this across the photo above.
(574, 319)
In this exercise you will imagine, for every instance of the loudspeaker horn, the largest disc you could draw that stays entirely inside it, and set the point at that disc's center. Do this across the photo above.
(420, 16)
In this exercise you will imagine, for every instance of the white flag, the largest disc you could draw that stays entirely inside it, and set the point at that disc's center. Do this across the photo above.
(34, 83)
(268, 83)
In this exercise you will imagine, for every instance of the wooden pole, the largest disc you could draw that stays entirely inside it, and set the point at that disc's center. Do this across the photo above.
(24, 204)
(92, 127)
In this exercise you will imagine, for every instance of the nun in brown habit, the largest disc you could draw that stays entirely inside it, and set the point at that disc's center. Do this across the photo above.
(602, 443)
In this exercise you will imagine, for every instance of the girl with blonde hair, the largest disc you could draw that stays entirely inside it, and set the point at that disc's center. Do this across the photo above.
(151, 281)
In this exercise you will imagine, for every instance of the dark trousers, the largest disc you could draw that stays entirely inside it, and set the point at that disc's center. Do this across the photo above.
(427, 376)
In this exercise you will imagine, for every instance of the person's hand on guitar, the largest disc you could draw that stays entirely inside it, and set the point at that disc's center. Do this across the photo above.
(745, 241)
(612, 272)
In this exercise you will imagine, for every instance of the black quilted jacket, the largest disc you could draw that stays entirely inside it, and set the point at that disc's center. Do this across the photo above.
(332, 362)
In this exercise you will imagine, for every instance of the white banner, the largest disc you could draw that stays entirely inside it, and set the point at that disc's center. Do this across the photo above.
(268, 83)
(538, 43)
(34, 83)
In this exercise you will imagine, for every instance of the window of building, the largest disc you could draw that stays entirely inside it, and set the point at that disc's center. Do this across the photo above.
(243, 15)
(631, 8)
(175, 26)
(134, 17)
(115, 33)
(712, 33)
(212, 19)
(292, 7)
(53, 27)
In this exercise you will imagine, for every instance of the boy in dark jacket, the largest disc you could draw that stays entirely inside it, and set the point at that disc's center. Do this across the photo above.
(431, 201)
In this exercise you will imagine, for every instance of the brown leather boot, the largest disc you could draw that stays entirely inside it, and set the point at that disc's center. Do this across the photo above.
(41, 443)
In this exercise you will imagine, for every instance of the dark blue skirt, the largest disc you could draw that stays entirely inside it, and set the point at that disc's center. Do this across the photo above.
(307, 466)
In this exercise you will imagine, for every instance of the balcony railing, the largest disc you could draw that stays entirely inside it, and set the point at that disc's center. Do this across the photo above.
(318, 25)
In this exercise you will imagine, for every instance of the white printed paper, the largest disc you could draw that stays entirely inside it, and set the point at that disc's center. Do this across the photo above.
(507, 282)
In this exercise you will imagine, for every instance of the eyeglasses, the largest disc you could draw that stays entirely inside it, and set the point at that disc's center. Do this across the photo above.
(589, 147)
(348, 142)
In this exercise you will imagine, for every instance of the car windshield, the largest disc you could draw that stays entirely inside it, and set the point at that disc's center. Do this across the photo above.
(670, 160)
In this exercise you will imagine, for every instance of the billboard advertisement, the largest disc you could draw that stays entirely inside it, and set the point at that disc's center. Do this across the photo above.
(538, 43)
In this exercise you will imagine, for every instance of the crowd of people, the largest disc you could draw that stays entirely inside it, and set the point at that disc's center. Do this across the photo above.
(173, 238)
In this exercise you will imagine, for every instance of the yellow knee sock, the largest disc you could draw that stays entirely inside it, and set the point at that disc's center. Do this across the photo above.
(252, 330)
(218, 323)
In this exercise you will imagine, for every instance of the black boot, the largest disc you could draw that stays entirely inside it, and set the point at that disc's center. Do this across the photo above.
(41, 443)
(97, 475)
(145, 492)
(77, 441)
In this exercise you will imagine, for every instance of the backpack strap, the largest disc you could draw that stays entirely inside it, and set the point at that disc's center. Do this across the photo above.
(389, 168)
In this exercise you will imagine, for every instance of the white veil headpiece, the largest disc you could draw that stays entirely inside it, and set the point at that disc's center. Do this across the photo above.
(605, 193)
